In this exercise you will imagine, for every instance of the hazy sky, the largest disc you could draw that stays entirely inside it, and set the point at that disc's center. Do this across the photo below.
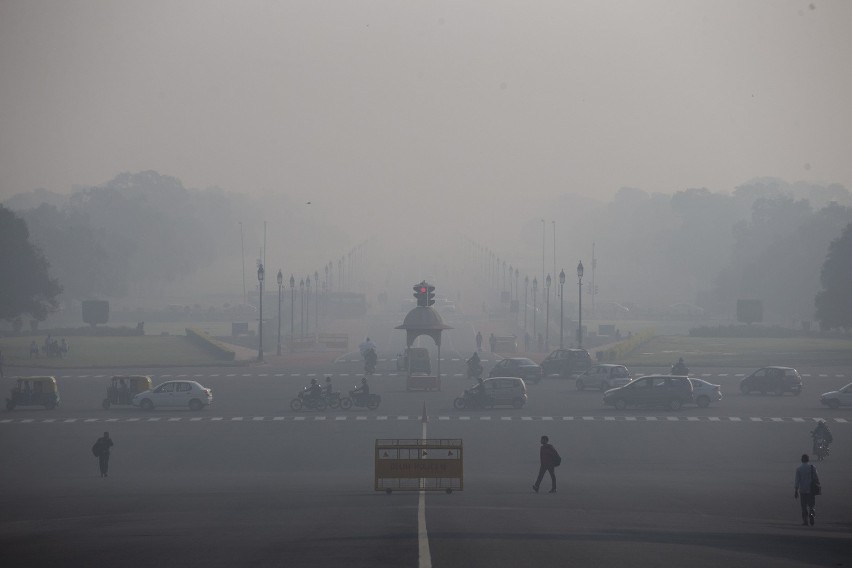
(444, 101)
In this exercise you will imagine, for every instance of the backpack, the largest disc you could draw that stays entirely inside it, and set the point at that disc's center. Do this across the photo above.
(96, 448)
(557, 461)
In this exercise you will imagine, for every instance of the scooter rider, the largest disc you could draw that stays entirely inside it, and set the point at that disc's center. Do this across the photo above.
(680, 368)
(474, 366)
(821, 433)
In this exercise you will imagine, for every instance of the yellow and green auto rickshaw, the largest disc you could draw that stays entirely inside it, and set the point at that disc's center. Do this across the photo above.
(122, 388)
(34, 391)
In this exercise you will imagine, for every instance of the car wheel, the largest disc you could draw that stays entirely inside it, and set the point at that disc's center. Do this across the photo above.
(346, 403)
(459, 403)
(621, 404)
(105, 404)
(296, 404)
(580, 384)
(518, 402)
(604, 386)
(146, 404)
(195, 404)
(833, 403)
(703, 401)
(675, 404)
(744, 389)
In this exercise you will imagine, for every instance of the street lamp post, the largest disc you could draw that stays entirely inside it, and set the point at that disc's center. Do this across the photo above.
(308, 305)
(292, 310)
(316, 301)
(526, 293)
(280, 283)
(260, 274)
(561, 308)
(535, 289)
(580, 318)
(302, 308)
(547, 311)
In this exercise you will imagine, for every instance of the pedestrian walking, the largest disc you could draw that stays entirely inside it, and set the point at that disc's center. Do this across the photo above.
(549, 460)
(492, 342)
(479, 341)
(101, 449)
(807, 487)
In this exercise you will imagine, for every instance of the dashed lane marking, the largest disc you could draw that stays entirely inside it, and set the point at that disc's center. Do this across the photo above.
(443, 417)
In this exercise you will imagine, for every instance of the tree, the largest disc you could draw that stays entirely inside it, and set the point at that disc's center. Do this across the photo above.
(26, 286)
(834, 302)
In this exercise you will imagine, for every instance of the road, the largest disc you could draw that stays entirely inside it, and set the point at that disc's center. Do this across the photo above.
(250, 483)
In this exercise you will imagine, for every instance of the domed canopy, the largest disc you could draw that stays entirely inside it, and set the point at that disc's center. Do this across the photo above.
(423, 321)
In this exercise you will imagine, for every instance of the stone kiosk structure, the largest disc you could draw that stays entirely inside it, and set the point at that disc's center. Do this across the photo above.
(424, 320)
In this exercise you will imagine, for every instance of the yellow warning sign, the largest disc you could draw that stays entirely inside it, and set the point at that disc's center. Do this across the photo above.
(434, 464)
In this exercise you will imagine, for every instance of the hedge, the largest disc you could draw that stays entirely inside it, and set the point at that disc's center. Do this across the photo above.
(205, 341)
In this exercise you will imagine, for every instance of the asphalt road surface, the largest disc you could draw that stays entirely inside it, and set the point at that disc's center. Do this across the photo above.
(248, 482)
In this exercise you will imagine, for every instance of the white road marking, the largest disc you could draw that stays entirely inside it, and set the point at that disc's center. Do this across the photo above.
(424, 555)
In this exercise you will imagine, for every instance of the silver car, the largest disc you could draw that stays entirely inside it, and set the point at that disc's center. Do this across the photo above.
(604, 377)
(703, 392)
(175, 394)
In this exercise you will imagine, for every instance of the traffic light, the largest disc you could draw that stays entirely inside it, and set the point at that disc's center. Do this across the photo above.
(430, 294)
(420, 291)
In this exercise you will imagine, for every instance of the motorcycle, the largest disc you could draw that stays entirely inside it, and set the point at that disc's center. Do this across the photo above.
(305, 401)
(370, 361)
(471, 398)
(360, 400)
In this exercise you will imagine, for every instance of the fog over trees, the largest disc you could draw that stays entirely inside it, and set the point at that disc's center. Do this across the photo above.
(145, 239)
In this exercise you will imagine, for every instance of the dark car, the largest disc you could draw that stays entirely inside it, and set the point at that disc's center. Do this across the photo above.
(669, 391)
(776, 380)
(567, 363)
(520, 367)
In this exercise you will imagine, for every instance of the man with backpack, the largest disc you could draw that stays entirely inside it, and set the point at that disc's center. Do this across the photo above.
(549, 459)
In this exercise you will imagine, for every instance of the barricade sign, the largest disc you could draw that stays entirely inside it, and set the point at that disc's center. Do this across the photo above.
(432, 464)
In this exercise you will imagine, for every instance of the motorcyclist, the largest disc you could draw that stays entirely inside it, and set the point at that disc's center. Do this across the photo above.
(313, 390)
(474, 366)
(680, 368)
(327, 389)
(370, 359)
(478, 390)
(363, 388)
(821, 434)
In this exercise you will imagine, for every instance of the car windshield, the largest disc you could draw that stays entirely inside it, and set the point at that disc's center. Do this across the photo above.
(524, 361)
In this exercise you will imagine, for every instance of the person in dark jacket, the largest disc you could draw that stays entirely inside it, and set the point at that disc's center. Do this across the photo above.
(549, 459)
(104, 444)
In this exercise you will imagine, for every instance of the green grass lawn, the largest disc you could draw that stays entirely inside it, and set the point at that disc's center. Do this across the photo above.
(662, 351)
(148, 350)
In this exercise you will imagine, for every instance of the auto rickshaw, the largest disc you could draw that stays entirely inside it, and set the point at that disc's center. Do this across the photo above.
(123, 387)
(34, 391)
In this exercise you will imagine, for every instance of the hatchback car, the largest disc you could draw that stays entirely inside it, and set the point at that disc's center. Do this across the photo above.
(604, 377)
(655, 390)
(776, 380)
(703, 392)
(838, 398)
(175, 394)
(520, 367)
(567, 363)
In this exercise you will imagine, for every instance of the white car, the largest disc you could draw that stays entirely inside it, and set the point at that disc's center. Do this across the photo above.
(838, 398)
(604, 377)
(703, 393)
(175, 394)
